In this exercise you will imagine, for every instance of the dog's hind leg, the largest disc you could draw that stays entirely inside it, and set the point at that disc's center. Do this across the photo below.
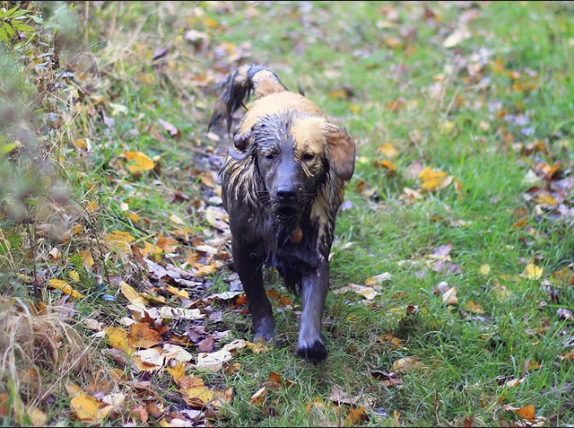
(248, 266)
(314, 290)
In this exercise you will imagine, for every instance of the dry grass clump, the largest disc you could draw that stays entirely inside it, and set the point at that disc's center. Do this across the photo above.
(39, 348)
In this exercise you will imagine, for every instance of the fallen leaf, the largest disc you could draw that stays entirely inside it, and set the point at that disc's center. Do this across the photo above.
(177, 292)
(141, 335)
(195, 393)
(449, 297)
(527, 412)
(89, 410)
(367, 292)
(132, 295)
(74, 276)
(513, 383)
(356, 415)
(387, 164)
(138, 162)
(473, 307)
(149, 360)
(177, 372)
(258, 397)
(378, 279)
(65, 288)
(258, 347)
(484, 270)
(394, 341)
(388, 150)
(118, 339)
(120, 240)
(432, 179)
(531, 271)
(405, 365)
(173, 131)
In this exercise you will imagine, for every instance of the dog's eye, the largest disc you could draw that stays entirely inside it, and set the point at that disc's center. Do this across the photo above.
(308, 157)
(270, 156)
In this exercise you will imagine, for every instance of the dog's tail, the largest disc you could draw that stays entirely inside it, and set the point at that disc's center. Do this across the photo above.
(239, 85)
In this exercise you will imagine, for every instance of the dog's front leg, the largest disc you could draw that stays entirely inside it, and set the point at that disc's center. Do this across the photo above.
(248, 266)
(314, 290)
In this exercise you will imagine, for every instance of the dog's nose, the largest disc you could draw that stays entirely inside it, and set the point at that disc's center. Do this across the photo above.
(286, 194)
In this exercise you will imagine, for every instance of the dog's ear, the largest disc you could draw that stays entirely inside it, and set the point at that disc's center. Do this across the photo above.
(342, 152)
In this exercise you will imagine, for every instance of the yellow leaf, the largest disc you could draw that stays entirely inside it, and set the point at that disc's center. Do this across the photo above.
(258, 347)
(531, 271)
(387, 165)
(356, 109)
(527, 412)
(91, 207)
(87, 409)
(484, 270)
(196, 396)
(77, 229)
(388, 150)
(37, 417)
(356, 415)
(206, 269)
(65, 288)
(87, 258)
(177, 292)
(210, 23)
(74, 276)
(431, 179)
(394, 341)
(149, 248)
(475, 308)
(138, 162)
(118, 339)
(131, 294)
(83, 144)
(141, 335)
(177, 372)
(121, 240)
(546, 199)
(133, 217)
(448, 127)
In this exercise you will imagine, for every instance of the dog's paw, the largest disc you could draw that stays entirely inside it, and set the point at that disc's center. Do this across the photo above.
(264, 329)
(314, 353)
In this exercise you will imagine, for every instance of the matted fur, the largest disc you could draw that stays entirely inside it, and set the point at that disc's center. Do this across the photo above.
(282, 187)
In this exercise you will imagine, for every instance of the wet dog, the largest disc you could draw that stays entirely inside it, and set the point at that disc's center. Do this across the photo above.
(282, 186)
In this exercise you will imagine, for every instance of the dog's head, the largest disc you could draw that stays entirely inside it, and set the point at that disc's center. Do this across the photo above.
(295, 154)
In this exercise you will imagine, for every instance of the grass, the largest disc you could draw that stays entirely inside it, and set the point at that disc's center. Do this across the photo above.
(382, 70)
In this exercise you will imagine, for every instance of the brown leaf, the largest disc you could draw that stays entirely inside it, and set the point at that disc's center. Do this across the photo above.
(206, 345)
(141, 335)
(258, 397)
(405, 365)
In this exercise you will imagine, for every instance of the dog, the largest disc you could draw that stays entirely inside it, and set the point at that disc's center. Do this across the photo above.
(282, 185)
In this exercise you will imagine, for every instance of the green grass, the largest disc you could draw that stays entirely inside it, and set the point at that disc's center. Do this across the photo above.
(466, 358)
